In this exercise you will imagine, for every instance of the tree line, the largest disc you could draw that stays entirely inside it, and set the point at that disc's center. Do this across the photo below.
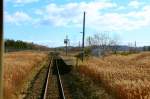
(14, 45)
(146, 48)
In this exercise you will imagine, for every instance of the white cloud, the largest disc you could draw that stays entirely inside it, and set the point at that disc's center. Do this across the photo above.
(22, 1)
(125, 21)
(71, 14)
(142, 18)
(121, 8)
(134, 4)
(17, 18)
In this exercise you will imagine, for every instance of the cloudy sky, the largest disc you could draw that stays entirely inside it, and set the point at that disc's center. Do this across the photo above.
(49, 21)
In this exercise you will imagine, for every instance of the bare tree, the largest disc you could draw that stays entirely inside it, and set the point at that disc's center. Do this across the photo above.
(89, 41)
(132, 47)
(114, 43)
(103, 42)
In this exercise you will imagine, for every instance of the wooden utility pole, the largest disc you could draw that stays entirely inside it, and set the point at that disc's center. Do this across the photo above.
(83, 36)
(1, 51)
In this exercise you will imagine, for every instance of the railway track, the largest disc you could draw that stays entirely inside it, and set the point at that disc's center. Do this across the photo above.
(53, 88)
(55, 81)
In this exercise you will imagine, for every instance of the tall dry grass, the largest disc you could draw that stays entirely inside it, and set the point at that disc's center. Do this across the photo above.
(127, 77)
(17, 66)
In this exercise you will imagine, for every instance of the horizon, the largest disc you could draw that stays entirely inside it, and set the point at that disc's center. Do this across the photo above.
(48, 22)
(130, 44)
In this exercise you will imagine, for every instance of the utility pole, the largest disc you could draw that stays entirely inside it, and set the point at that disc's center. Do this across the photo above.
(83, 37)
(135, 44)
(89, 41)
(1, 51)
(79, 44)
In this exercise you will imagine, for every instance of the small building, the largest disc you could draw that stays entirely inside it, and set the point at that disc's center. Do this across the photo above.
(97, 51)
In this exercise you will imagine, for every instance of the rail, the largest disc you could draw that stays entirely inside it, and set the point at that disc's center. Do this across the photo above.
(47, 79)
(61, 90)
(60, 86)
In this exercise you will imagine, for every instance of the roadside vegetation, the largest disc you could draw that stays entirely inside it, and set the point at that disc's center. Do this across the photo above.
(124, 76)
(82, 87)
(18, 68)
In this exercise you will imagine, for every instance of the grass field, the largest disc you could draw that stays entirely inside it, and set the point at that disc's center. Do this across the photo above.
(127, 77)
(17, 66)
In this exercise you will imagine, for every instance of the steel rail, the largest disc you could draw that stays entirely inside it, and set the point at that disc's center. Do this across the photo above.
(61, 90)
(47, 79)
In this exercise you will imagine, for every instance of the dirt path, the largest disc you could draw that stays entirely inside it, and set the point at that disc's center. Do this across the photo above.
(37, 84)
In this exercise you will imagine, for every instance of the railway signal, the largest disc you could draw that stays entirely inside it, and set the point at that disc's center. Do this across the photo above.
(66, 41)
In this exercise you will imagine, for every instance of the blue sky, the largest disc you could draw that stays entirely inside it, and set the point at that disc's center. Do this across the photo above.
(48, 22)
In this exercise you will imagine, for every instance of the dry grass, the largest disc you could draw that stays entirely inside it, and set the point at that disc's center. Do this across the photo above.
(18, 66)
(128, 77)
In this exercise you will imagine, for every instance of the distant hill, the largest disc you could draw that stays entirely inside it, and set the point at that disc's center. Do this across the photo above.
(146, 48)
(119, 48)
(18, 45)
(127, 48)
